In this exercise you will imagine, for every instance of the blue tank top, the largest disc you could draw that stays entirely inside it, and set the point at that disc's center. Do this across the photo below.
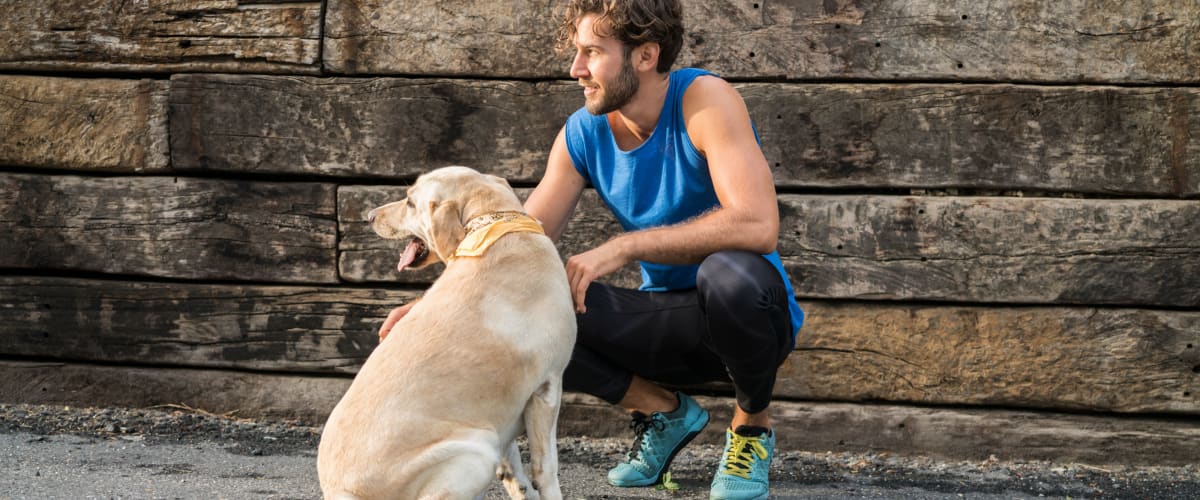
(663, 181)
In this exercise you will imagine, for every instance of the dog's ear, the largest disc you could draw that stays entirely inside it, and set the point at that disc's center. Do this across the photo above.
(499, 180)
(447, 229)
(483, 197)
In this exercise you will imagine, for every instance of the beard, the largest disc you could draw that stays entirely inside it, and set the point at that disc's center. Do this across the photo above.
(616, 93)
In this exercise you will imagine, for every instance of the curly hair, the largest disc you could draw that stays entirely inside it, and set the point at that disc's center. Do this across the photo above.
(633, 22)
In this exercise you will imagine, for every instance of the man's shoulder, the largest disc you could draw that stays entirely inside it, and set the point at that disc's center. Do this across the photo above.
(690, 73)
(707, 91)
(711, 104)
(705, 84)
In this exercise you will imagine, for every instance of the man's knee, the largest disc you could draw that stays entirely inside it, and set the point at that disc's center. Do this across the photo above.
(740, 277)
(746, 305)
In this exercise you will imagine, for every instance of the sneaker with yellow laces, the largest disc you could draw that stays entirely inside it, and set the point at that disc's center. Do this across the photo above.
(742, 474)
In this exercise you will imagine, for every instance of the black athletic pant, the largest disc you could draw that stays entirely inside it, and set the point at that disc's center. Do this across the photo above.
(735, 325)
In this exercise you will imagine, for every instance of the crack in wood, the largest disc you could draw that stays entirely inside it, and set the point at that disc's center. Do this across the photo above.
(858, 351)
(1161, 23)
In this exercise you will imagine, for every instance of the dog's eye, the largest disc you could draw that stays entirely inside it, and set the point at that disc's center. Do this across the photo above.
(408, 202)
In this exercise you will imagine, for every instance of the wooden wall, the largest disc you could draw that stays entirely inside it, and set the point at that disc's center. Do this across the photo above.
(985, 204)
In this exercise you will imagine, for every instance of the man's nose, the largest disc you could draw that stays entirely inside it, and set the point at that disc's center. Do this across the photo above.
(371, 216)
(578, 68)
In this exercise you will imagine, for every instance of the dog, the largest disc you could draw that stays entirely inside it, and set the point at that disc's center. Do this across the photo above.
(435, 410)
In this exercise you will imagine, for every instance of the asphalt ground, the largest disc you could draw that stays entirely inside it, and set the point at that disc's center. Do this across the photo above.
(168, 453)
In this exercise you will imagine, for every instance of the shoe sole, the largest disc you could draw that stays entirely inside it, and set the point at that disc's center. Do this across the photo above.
(764, 497)
(670, 458)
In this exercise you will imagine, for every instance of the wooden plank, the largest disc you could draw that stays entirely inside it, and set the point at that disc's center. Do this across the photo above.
(94, 124)
(817, 427)
(162, 36)
(282, 328)
(1139, 41)
(1084, 139)
(991, 137)
(1091, 359)
(462, 38)
(365, 257)
(1082, 358)
(357, 127)
(977, 249)
(991, 249)
(170, 227)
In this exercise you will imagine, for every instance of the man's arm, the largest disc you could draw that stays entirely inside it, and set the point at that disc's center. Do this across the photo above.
(748, 218)
(553, 200)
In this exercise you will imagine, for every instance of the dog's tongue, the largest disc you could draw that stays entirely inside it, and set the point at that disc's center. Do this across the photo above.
(410, 254)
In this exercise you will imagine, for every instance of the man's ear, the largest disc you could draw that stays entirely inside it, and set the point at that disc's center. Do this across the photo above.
(645, 56)
(446, 227)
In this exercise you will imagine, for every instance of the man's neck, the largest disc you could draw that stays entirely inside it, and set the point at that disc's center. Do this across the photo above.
(640, 115)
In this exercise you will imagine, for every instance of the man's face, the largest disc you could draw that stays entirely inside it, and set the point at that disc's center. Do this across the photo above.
(606, 74)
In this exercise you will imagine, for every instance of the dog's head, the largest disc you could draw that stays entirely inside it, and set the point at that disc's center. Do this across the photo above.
(436, 210)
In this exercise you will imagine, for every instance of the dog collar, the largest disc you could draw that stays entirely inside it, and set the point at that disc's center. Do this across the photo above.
(484, 230)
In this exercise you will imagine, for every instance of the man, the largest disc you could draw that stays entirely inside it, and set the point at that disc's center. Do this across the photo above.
(676, 159)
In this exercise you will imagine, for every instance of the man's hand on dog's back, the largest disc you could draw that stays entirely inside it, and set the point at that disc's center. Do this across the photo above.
(392, 318)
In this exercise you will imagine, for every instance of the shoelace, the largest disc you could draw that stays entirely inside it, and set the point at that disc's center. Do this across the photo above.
(740, 455)
(641, 425)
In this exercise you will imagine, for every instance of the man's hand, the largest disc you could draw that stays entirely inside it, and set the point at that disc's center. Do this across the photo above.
(392, 318)
(584, 268)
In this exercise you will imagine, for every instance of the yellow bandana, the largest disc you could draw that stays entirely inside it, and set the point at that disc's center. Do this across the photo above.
(484, 230)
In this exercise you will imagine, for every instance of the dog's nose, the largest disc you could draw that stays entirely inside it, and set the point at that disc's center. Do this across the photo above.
(371, 216)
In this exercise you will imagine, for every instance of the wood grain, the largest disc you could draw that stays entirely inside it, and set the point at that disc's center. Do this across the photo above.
(94, 124)
(1081, 138)
(277, 328)
(380, 127)
(1063, 358)
(243, 36)
(993, 249)
(997, 138)
(170, 227)
(965, 249)
(1072, 41)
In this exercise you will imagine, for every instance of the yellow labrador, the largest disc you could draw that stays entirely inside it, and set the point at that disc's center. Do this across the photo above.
(435, 410)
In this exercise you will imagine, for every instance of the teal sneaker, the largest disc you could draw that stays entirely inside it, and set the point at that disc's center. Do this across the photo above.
(742, 474)
(657, 438)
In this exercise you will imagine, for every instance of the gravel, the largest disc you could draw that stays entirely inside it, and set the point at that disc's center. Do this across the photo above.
(276, 459)
(172, 424)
